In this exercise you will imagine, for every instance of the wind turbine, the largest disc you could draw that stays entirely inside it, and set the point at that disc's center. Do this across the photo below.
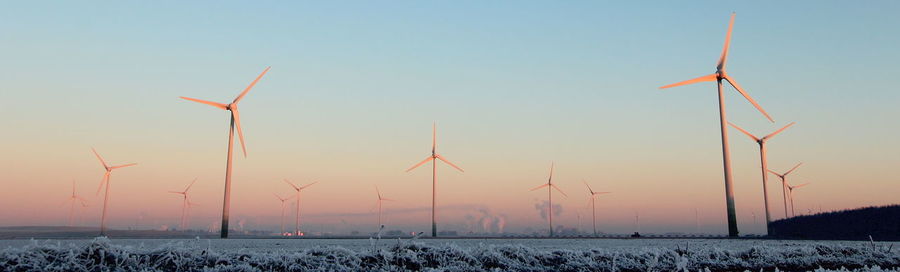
(718, 76)
(791, 195)
(763, 162)
(380, 200)
(184, 204)
(434, 155)
(298, 189)
(593, 197)
(784, 192)
(73, 198)
(235, 124)
(105, 180)
(550, 185)
(282, 199)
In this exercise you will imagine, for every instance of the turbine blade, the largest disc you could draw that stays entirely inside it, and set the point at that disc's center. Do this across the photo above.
(291, 184)
(744, 131)
(539, 187)
(550, 179)
(588, 186)
(214, 104)
(420, 163)
(801, 185)
(278, 197)
(387, 199)
(779, 131)
(724, 58)
(747, 96)
(241, 96)
(560, 191)
(601, 193)
(189, 186)
(123, 166)
(378, 191)
(450, 163)
(705, 78)
(773, 172)
(103, 181)
(433, 138)
(311, 184)
(237, 125)
(176, 192)
(100, 158)
(792, 169)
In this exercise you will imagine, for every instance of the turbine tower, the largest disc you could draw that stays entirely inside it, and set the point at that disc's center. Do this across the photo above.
(380, 200)
(763, 162)
(282, 199)
(72, 199)
(235, 124)
(784, 183)
(298, 189)
(105, 180)
(550, 185)
(791, 195)
(434, 155)
(718, 76)
(593, 196)
(184, 202)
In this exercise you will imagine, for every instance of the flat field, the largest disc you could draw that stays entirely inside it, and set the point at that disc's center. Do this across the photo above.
(446, 255)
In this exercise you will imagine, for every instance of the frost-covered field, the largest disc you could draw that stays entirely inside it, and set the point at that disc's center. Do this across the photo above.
(445, 255)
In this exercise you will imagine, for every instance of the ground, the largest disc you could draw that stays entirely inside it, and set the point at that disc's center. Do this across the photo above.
(446, 254)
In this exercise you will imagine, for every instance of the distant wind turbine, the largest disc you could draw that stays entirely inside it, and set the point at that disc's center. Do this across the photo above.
(235, 124)
(105, 180)
(593, 197)
(298, 189)
(434, 155)
(784, 185)
(550, 185)
(282, 199)
(791, 194)
(763, 162)
(718, 76)
(72, 199)
(380, 200)
(184, 202)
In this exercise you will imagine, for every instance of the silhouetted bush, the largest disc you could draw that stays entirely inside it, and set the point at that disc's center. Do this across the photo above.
(883, 223)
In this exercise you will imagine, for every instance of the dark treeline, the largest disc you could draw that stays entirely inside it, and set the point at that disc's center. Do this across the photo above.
(883, 223)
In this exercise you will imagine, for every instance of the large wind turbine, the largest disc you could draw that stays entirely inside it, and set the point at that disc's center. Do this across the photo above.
(105, 180)
(74, 198)
(791, 195)
(593, 197)
(550, 185)
(434, 155)
(763, 162)
(184, 204)
(298, 189)
(380, 200)
(282, 199)
(235, 124)
(718, 76)
(784, 183)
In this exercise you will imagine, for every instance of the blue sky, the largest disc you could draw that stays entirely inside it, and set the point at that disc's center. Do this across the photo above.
(512, 85)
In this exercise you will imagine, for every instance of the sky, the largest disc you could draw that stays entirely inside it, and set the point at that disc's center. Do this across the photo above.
(512, 86)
